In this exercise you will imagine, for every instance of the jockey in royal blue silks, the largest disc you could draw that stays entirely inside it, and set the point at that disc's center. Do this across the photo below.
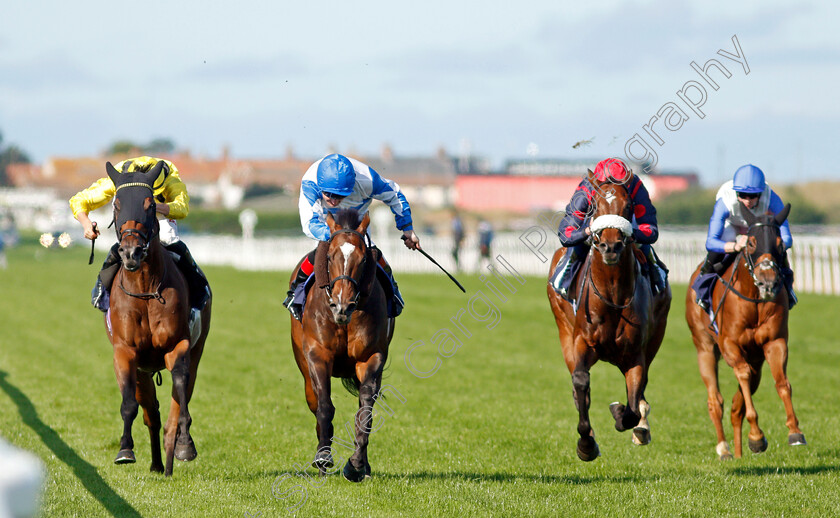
(574, 228)
(728, 230)
(336, 182)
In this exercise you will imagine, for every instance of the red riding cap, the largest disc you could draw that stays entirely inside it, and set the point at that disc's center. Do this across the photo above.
(611, 168)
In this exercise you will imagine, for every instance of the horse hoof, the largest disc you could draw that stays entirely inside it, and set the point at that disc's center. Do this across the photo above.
(156, 468)
(185, 452)
(125, 457)
(641, 436)
(797, 439)
(759, 445)
(726, 456)
(323, 460)
(354, 475)
(587, 449)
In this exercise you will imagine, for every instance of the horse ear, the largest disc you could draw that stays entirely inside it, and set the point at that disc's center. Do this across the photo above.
(331, 222)
(362, 228)
(783, 214)
(113, 174)
(590, 176)
(154, 172)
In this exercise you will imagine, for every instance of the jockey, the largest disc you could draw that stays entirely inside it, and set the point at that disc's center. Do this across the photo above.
(574, 228)
(727, 233)
(172, 203)
(336, 182)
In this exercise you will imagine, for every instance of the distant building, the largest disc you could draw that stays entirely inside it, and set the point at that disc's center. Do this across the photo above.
(524, 186)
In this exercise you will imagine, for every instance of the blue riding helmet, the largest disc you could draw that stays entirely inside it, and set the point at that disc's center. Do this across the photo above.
(336, 175)
(749, 179)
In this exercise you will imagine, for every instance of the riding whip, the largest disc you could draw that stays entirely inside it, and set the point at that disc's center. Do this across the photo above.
(439, 266)
(92, 243)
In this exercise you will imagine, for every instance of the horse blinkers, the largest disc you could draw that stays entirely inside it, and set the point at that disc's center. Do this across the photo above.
(135, 235)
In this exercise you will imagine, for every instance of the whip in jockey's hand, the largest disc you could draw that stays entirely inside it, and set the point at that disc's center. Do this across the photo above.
(412, 242)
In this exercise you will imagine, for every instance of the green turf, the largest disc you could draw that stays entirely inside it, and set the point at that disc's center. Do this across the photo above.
(491, 433)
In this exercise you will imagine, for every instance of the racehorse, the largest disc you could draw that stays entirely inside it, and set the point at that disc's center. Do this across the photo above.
(752, 324)
(618, 320)
(148, 324)
(344, 333)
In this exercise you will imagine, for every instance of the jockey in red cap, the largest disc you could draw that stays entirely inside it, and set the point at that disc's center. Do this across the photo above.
(574, 228)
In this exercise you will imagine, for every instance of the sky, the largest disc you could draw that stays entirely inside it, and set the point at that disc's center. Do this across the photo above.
(499, 80)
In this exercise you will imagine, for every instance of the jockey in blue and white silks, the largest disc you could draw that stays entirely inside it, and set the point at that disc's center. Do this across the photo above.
(727, 233)
(337, 182)
(357, 185)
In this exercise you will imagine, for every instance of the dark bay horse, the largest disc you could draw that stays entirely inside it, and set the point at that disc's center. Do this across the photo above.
(751, 308)
(148, 324)
(344, 333)
(618, 319)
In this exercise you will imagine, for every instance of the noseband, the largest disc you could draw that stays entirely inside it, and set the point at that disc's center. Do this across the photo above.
(151, 231)
(352, 280)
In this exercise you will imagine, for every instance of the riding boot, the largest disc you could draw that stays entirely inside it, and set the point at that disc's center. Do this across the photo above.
(397, 299)
(100, 295)
(197, 282)
(787, 274)
(295, 309)
(658, 272)
(563, 278)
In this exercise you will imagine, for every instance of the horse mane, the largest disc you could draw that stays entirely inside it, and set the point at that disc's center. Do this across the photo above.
(347, 218)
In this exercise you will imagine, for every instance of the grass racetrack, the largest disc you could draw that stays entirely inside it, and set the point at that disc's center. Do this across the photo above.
(491, 433)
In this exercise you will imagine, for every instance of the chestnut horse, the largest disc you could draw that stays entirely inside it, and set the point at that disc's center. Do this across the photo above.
(148, 324)
(344, 333)
(618, 320)
(753, 326)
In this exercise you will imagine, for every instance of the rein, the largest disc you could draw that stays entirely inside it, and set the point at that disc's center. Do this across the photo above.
(148, 295)
(730, 287)
(603, 299)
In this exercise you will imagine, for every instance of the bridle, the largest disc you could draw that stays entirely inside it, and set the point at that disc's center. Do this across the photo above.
(152, 230)
(328, 287)
(751, 266)
(764, 263)
(146, 238)
(598, 225)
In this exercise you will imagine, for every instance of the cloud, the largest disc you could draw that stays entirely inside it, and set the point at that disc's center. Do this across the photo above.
(45, 72)
(245, 69)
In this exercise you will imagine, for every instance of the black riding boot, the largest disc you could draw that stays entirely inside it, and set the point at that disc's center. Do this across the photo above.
(197, 282)
(295, 309)
(99, 296)
(710, 264)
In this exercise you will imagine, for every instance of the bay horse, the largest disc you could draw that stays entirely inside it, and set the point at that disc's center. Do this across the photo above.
(618, 319)
(148, 324)
(752, 324)
(344, 333)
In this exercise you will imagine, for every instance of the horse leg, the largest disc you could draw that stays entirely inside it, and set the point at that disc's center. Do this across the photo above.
(177, 440)
(369, 374)
(628, 416)
(587, 448)
(151, 416)
(749, 376)
(319, 374)
(707, 360)
(125, 367)
(776, 354)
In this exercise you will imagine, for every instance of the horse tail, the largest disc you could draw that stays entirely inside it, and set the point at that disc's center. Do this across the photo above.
(351, 385)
